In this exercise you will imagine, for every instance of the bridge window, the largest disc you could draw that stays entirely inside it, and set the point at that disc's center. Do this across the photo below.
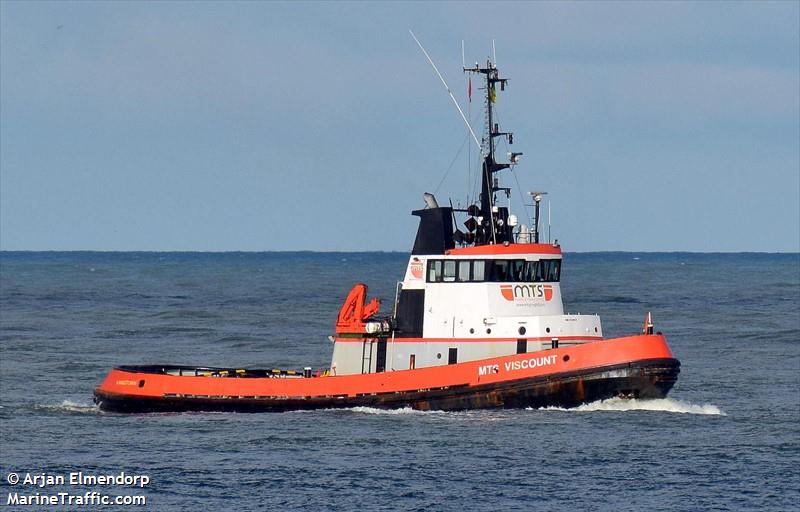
(478, 267)
(434, 271)
(498, 271)
(546, 270)
(543, 271)
(507, 271)
(464, 270)
(449, 271)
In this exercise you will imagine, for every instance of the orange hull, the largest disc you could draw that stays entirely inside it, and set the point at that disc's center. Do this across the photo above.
(637, 365)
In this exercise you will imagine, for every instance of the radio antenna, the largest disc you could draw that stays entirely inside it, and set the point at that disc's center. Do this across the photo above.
(494, 54)
(455, 102)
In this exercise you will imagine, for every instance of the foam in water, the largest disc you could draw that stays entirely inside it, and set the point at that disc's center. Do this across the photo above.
(611, 405)
(404, 410)
(658, 404)
(70, 406)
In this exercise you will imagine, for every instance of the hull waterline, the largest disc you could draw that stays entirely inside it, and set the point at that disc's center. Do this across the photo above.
(565, 377)
(645, 379)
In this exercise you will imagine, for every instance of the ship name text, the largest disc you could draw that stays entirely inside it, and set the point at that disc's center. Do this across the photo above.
(522, 364)
(533, 362)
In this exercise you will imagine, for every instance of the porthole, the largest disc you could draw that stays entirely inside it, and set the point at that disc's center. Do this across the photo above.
(547, 330)
(471, 330)
(566, 358)
(595, 329)
(141, 383)
(439, 355)
(488, 331)
(522, 330)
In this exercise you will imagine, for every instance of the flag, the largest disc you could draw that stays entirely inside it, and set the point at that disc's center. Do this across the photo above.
(492, 95)
(469, 89)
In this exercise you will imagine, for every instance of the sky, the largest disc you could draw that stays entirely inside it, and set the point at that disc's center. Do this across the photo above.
(206, 126)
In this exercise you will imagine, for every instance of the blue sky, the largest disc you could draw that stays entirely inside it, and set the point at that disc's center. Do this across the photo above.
(287, 126)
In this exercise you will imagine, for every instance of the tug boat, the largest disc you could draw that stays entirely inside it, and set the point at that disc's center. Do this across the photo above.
(477, 322)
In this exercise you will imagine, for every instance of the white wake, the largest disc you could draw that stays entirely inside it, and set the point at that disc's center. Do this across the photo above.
(70, 406)
(668, 405)
(375, 410)
(657, 404)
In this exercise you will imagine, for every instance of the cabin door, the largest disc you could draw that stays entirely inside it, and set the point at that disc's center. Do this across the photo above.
(366, 355)
(380, 357)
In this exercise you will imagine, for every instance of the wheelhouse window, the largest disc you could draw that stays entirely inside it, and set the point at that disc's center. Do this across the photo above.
(510, 271)
(547, 270)
(478, 270)
(434, 271)
(464, 273)
(498, 271)
(449, 273)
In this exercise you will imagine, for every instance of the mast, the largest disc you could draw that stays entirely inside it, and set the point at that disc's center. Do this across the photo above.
(488, 223)
(494, 226)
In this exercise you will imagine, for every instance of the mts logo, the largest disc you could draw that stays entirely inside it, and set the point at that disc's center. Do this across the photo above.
(416, 268)
(488, 369)
(512, 292)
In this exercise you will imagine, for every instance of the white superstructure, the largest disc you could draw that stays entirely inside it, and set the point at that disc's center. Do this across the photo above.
(471, 304)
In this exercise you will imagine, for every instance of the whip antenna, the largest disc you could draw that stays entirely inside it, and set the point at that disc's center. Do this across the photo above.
(455, 102)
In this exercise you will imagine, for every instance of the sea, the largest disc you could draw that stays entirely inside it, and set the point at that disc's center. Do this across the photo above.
(726, 438)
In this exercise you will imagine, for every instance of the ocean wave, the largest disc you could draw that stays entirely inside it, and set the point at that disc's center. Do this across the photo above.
(615, 299)
(658, 405)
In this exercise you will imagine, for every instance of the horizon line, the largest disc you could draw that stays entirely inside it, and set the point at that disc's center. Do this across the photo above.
(312, 251)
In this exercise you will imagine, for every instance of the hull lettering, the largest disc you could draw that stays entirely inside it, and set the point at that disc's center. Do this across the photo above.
(533, 362)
